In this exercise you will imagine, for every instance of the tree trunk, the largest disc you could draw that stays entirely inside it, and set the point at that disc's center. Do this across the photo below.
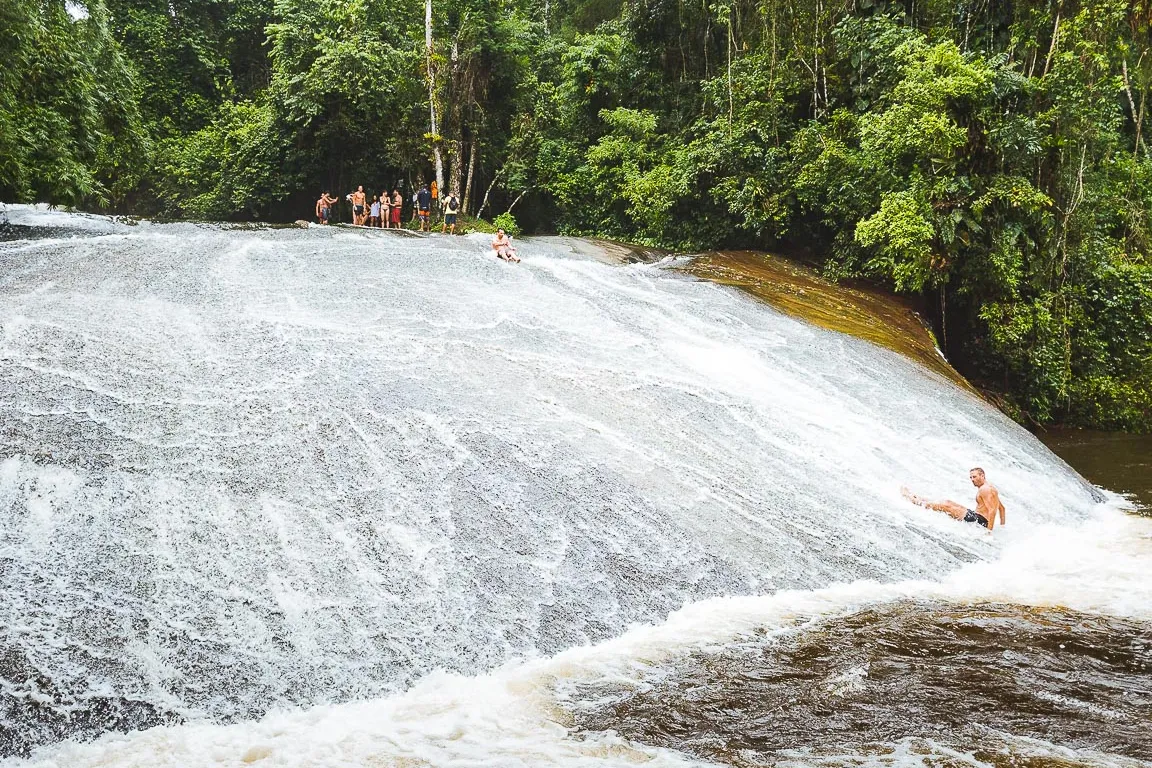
(457, 164)
(731, 45)
(471, 170)
(519, 197)
(1055, 39)
(456, 128)
(488, 192)
(707, 34)
(437, 156)
(1137, 114)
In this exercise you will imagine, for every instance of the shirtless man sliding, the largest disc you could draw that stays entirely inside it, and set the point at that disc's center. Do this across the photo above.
(988, 503)
(502, 244)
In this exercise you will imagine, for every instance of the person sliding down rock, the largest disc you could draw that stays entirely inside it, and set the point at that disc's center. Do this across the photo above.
(988, 503)
(502, 244)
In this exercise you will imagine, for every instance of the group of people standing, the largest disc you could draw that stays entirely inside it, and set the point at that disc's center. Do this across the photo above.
(386, 210)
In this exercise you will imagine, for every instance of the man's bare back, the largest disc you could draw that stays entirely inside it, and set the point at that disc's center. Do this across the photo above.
(988, 503)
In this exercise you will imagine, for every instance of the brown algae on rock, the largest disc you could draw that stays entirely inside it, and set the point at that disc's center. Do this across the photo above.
(866, 313)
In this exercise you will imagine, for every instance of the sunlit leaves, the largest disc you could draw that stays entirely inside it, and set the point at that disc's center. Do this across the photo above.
(902, 234)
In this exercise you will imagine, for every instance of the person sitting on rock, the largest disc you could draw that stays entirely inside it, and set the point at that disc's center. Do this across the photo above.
(502, 244)
(988, 503)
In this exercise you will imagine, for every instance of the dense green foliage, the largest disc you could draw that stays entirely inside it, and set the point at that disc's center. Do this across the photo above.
(986, 157)
(70, 129)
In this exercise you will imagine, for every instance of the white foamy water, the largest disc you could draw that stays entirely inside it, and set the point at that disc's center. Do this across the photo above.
(254, 471)
(511, 717)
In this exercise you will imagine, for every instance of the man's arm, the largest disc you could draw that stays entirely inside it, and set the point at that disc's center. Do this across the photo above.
(991, 504)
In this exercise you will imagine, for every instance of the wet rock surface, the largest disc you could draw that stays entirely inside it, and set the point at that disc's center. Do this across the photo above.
(37, 710)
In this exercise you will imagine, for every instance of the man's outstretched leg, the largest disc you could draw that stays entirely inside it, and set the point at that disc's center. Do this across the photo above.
(950, 508)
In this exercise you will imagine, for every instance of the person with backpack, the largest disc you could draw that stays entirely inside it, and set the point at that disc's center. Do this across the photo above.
(451, 209)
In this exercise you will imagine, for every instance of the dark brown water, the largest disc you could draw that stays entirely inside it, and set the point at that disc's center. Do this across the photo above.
(1116, 461)
(943, 678)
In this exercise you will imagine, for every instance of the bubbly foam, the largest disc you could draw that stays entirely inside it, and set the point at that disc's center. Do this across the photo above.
(42, 217)
(512, 717)
(243, 471)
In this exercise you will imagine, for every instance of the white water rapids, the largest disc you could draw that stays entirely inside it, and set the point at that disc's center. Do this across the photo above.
(253, 471)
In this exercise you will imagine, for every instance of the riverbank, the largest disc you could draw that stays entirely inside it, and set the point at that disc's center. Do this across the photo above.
(1114, 460)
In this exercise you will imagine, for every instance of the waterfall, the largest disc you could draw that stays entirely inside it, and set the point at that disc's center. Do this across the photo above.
(341, 476)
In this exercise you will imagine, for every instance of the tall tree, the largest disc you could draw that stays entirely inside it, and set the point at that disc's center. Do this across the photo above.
(430, 65)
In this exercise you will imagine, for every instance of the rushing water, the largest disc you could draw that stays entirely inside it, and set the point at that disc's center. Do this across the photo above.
(962, 676)
(338, 497)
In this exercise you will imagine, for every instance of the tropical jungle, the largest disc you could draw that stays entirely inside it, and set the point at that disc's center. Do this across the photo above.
(986, 158)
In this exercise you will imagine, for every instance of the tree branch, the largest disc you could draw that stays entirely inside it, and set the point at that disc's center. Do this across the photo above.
(488, 191)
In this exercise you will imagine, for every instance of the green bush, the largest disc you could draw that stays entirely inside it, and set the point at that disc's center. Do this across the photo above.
(507, 222)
